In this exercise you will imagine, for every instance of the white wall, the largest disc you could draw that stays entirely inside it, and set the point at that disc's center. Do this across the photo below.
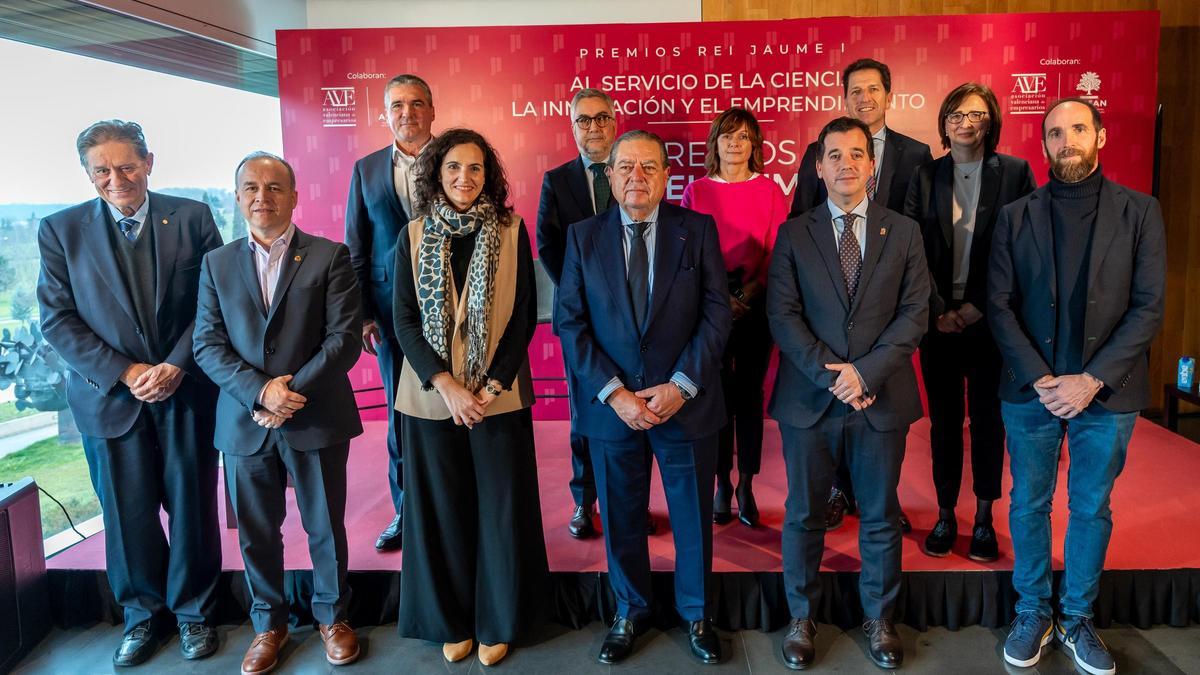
(408, 13)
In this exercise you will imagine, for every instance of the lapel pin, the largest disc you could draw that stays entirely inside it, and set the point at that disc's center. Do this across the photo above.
(164, 221)
(882, 231)
(297, 258)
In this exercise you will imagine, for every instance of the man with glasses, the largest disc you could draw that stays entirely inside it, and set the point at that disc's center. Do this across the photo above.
(118, 301)
(571, 192)
(380, 203)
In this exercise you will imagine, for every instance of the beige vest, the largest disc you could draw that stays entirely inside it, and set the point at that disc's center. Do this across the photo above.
(411, 399)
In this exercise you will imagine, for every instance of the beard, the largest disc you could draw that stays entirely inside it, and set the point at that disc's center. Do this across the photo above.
(1073, 172)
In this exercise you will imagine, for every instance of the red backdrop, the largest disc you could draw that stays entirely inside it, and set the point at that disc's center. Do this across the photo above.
(513, 84)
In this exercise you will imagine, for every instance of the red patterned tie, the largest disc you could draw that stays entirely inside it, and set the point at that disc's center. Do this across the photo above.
(850, 254)
(871, 187)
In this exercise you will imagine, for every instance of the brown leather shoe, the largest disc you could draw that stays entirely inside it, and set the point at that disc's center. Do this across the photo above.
(886, 650)
(798, 648)
(341, 643)
(263, 653)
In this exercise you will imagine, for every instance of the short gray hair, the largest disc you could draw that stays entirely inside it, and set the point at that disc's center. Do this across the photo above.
(638, 135)
(261, 154)
(111, 130)
(591, 93)
(408, 78)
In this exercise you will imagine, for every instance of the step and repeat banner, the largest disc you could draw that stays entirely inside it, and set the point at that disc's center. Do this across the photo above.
(514, 85)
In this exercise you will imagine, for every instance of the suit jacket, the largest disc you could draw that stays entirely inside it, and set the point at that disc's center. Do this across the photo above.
(566, 199)
(1126, 279)
(374, 217)
(814, 322)
(88, 315)
(930, 202)
(313, 331)
(687, 323)
(901, 158)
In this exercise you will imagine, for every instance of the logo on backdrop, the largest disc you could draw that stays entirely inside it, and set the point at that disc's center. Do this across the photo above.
(1028, 94)
(1090, 82)
(337, 107)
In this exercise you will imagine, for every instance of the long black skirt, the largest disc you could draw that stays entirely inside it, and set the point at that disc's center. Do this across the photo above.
(474, 561)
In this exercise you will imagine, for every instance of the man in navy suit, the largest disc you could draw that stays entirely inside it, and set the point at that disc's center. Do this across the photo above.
(380, 203)
(848, 301)
(571, 192)
(118, 297)
(867, 87)
(277, 328)
(644, 348)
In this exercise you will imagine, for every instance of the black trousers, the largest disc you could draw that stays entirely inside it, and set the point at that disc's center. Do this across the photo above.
(165, 461)
(391, 358)
(743, 368)
(583, 479)
(873, 458)
(258, 487)
(947, 360)
(474, 554)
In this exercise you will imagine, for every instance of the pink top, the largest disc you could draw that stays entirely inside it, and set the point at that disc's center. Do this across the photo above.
(748, 215)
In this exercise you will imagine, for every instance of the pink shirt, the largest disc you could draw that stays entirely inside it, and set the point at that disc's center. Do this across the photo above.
(748, 215)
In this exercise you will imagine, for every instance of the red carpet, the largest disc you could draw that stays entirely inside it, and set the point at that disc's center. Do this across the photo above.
(1155, 505)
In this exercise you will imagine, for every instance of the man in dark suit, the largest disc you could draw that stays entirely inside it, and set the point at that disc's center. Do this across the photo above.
(1075, 292)
(848, 300)
(571, 192)
(118, 297)
(277, 328)
(867, 87)
(379, 204)
(956, 199)
(644, 348)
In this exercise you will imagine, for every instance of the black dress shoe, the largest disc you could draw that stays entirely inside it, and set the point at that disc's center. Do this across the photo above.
(618, 644)
(798, 648)
(389, 539)
(747, 507)
(983, 544)
(581, 526)
(651, 526)
(886, 650)
(138, 645)
(196, 640)
(705, 643)
(722, 502)
(835, 509)
(905, 524)
(941, 538)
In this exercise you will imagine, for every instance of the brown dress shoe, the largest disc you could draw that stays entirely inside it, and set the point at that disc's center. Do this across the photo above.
(263, 653)
(886, 650)
(798, 648)
(341, 643)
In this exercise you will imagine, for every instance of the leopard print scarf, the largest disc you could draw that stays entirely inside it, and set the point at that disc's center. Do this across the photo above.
(433, 282)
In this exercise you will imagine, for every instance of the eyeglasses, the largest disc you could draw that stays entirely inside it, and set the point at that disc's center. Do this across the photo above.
(976, 116)
(601, 121)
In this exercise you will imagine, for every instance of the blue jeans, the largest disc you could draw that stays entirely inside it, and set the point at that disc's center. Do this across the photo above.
(1097, 441)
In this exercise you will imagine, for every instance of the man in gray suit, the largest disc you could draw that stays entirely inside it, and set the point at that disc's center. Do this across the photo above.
(848, 301)
(278, 326)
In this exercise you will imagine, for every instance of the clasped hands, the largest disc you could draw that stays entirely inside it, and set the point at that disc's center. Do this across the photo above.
(278, 403)
(640, 410)
(849, 387)
(151, 384)
(955, 320)
(1066, 396)
(467, 408)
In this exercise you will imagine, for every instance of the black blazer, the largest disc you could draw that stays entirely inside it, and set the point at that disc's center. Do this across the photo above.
(374, 217)
(566, 199)
(814, 322)
(1126, 279)
(88, 315)
(686, 327)
(312, 332)
(901, 158)
(930, 202)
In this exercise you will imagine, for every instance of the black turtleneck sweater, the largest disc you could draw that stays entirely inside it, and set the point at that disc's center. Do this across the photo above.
(1073, 209)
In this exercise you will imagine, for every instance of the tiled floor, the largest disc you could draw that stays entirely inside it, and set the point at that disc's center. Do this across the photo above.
(559, 651)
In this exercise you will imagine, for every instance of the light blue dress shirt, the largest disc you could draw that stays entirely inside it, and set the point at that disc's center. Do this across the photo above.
(139, 215)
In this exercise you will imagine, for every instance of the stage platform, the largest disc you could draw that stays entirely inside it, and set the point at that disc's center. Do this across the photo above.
(1152, 571)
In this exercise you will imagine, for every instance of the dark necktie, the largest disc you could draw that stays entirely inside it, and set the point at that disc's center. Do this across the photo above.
(128, 228)
(850, 254)
(638, 271)
(600, 186)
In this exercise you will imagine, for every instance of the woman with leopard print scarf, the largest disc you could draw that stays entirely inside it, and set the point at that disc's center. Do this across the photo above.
(465, 309)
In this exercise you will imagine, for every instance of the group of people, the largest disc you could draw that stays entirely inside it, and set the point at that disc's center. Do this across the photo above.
(1038, 303)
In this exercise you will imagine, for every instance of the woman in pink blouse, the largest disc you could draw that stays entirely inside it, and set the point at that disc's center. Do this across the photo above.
(748, 208)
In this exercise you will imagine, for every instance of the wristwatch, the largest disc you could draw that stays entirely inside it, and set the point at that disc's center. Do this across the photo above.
(489, 388)
(682, 392)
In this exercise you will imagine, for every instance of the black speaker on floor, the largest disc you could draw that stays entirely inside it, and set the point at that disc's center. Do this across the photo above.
(24, 594)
